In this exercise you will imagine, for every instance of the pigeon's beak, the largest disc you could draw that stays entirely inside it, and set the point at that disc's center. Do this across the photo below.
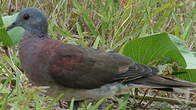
(14, 24)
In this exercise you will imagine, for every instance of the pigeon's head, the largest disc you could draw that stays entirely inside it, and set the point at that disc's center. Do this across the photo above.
(32, 20)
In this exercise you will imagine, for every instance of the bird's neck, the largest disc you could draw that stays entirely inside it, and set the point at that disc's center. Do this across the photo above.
(35, 34)
(37, 29)
(30, 40)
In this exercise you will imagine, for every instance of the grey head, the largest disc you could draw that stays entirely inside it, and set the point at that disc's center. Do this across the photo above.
(32, 20)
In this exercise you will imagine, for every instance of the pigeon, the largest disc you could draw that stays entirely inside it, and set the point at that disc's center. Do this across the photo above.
(80, 72)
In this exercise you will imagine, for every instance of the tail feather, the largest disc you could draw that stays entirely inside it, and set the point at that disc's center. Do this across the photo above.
(147, 76)
(158, 81)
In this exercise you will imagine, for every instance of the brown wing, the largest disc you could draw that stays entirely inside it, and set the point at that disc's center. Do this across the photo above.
(82, 67)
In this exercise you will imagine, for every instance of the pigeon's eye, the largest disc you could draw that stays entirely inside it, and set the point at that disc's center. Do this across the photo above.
(26, 16)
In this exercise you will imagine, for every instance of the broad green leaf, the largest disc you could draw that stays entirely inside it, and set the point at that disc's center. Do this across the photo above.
(16, 34)
(189, 75)
(9, 19)
(189, 58)
(11, 37)
(4, 37)
(150, 48)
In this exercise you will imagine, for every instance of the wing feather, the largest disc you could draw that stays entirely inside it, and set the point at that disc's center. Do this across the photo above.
(86, 68)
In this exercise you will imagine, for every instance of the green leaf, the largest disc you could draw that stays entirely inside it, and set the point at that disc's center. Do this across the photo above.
(16, 34)
(189, 75)
(189, 58)
(150, 48)
(4, 37)
(9, 19)
(11, 37)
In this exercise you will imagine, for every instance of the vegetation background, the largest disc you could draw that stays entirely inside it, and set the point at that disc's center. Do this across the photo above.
(109, 25)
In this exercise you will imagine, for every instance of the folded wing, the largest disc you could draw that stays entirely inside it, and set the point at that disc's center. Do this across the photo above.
(79, 67)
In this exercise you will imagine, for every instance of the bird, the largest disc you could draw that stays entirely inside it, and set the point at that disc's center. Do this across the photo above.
(80, 72)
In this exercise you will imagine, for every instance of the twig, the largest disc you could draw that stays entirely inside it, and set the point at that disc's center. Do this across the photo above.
(168, 100)
(150, 102)
(146, 91)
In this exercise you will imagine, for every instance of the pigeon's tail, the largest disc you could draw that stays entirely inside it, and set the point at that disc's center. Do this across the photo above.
(141, 75)
(158, 81)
